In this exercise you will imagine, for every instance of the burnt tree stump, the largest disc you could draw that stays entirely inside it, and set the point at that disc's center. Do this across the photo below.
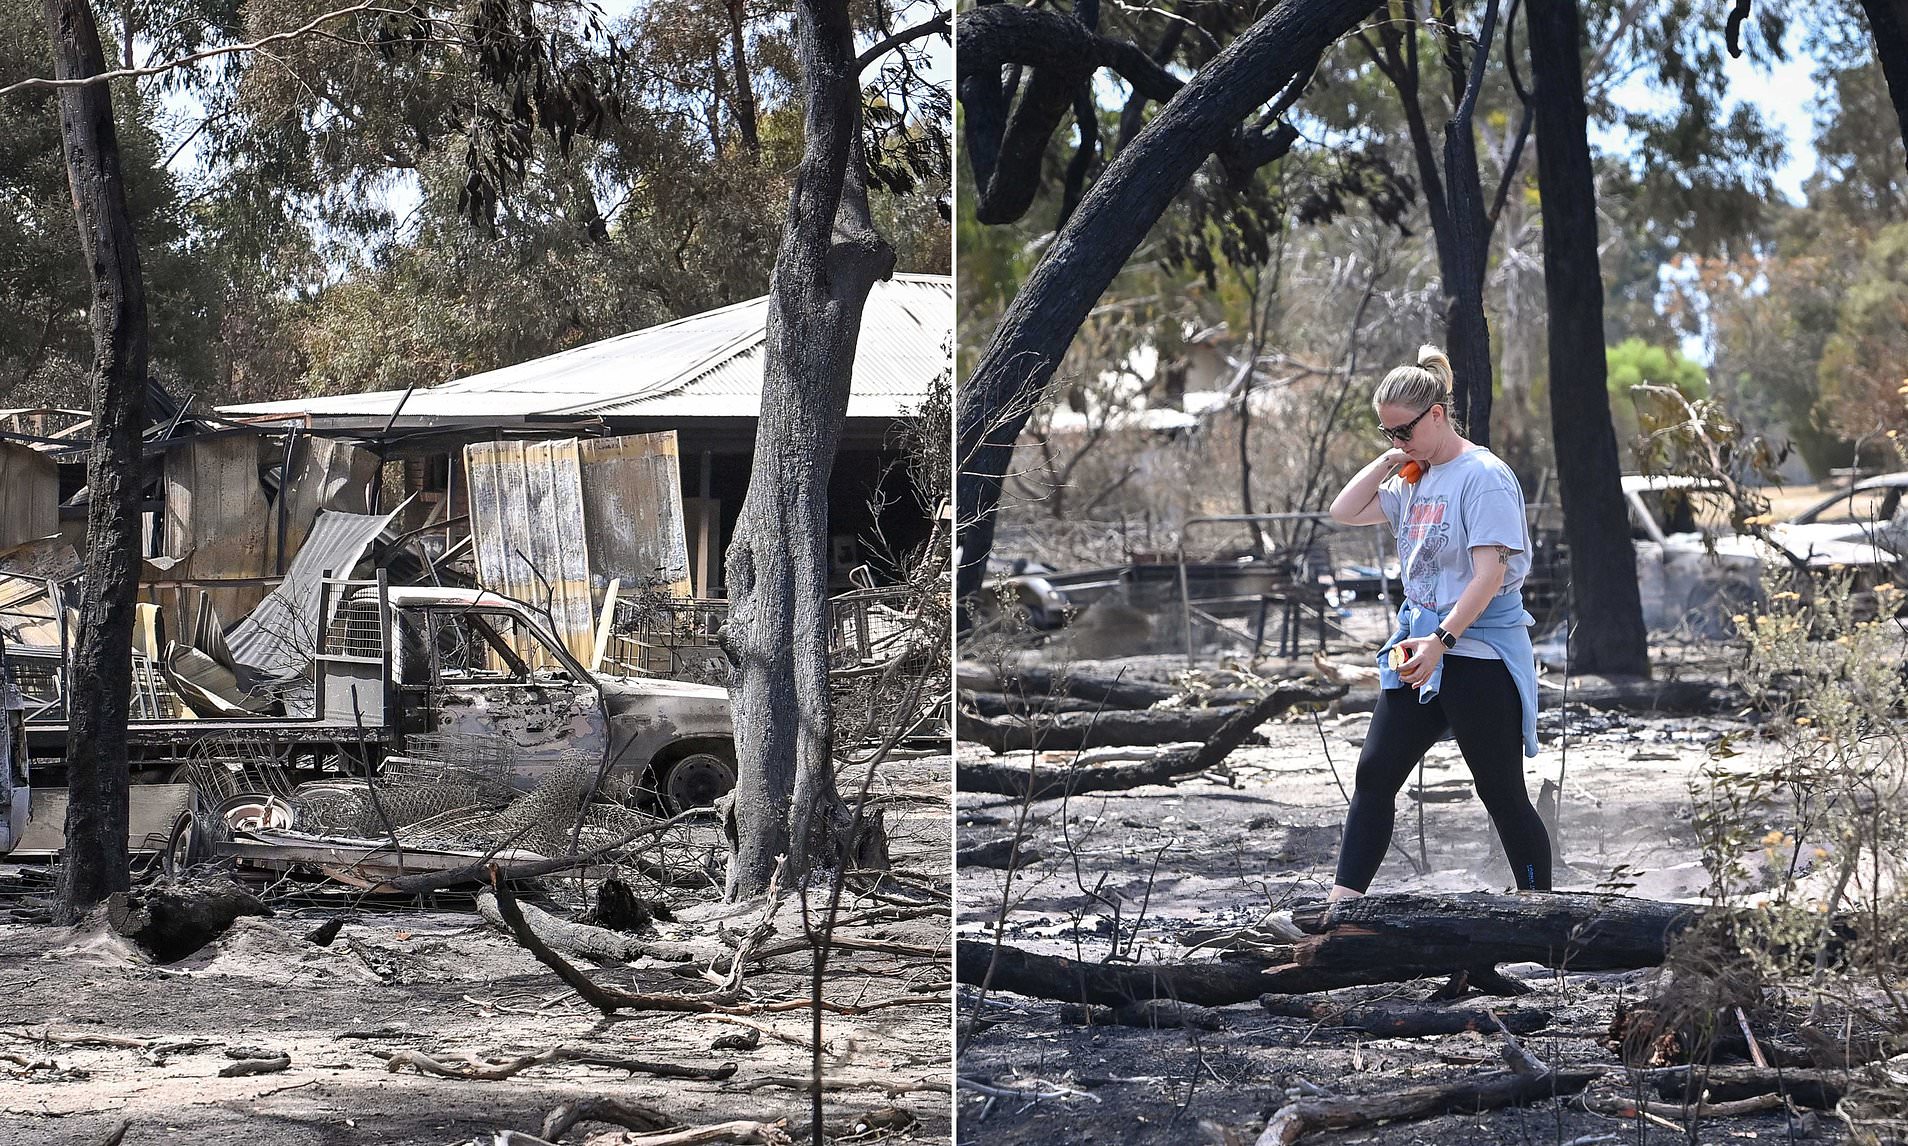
(170, 923)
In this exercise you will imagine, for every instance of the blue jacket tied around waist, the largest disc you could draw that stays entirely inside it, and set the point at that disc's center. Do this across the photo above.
(1504, 626)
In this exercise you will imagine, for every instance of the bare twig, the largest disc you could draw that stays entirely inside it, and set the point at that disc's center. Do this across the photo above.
(490, 1071)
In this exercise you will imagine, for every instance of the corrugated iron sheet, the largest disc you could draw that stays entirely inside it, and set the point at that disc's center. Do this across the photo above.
(278, 638)
(527, 532)
(703, 366)
(554, 522)
(632, 513)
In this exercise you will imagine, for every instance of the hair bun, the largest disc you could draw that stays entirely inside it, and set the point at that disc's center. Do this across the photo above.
(1435, 360)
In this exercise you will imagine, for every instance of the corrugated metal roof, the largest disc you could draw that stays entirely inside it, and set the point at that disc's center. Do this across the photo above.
(703, 366)
(277, 639)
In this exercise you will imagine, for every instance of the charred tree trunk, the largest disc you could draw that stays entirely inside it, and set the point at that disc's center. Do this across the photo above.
(1888, 23)
(95, 862)
(1466, 332)
(1597, 527)
(785, 801)
(743, 101)
(1116, 213)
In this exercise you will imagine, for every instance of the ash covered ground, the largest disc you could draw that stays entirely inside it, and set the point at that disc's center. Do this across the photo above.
(1151, 873)
(439, 980)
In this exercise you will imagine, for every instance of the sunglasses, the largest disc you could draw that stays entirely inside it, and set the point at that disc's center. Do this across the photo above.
(1403, 433)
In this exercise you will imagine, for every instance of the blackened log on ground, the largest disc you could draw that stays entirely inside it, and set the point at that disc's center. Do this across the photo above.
(1152, 1014)
(997, 853)
(1818, 1088)
(1640, 694)
(1389, 938)
(996, 704)
(1485, 1092)
(1428, 933)
(1031, 681)
(1067, 731)
(1222, 729)
(1106, 984)
(170, 923)
(1394, 1019)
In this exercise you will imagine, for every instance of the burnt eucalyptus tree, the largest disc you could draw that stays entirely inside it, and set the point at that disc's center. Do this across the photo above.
(1461, 225)
(786, 802)
(1018, 71)
(1603, 585)
(100, 688)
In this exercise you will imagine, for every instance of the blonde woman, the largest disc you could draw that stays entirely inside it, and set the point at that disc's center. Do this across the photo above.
(1459, 662)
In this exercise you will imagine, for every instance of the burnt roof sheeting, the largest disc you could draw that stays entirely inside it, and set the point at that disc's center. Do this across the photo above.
(704, 366)
(278, 639)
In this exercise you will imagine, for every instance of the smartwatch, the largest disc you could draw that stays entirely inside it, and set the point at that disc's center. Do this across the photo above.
(1450, 641)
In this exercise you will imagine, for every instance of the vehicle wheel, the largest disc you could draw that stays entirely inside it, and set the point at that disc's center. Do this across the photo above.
(696, 781)
(185, 846)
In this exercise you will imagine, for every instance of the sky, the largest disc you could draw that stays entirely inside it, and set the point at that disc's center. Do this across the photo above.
(1784, 94)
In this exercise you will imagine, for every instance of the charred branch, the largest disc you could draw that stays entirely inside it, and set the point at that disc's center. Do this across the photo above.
(1488, 1092)
(1391, 1019)
(1221, 729)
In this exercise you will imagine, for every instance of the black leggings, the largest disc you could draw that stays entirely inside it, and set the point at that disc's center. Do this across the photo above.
(1478, 702)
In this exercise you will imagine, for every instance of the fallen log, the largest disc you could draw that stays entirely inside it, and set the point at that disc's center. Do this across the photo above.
(997, 853)
(1385, 938)
(1151, 1014)
(1221, 738)
(1816, 1087)
(171, 922)
(1009, 704)
(1415, 935)
(250, 1066)
(1061, 731)
(1643, 694)
(1208, 984)
(1033, 681)
(1485, 1092)
(496, 1070)
(1401, 1019)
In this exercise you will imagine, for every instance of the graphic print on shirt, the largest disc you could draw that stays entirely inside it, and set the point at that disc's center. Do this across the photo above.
(1422, 537)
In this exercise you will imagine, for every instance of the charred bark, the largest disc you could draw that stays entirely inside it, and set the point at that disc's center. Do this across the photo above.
(1391, 938)
(1065, 731)
(743, 102)
(1032, 681)
(95, 860)
(1219, 984)
(1114, 215)
(1467, 334)
(785, 801)
(170, 923)
(1470, 1096)
(1393, 1019)
(1603, 581)
(1888, 23)
(1414, 934)
(1234, 725)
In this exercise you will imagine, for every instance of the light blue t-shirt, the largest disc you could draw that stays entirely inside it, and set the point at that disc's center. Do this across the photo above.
(1471, 500)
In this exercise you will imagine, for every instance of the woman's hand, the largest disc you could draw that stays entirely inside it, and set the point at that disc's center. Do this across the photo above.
(1393, 458)
(1423, 655)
